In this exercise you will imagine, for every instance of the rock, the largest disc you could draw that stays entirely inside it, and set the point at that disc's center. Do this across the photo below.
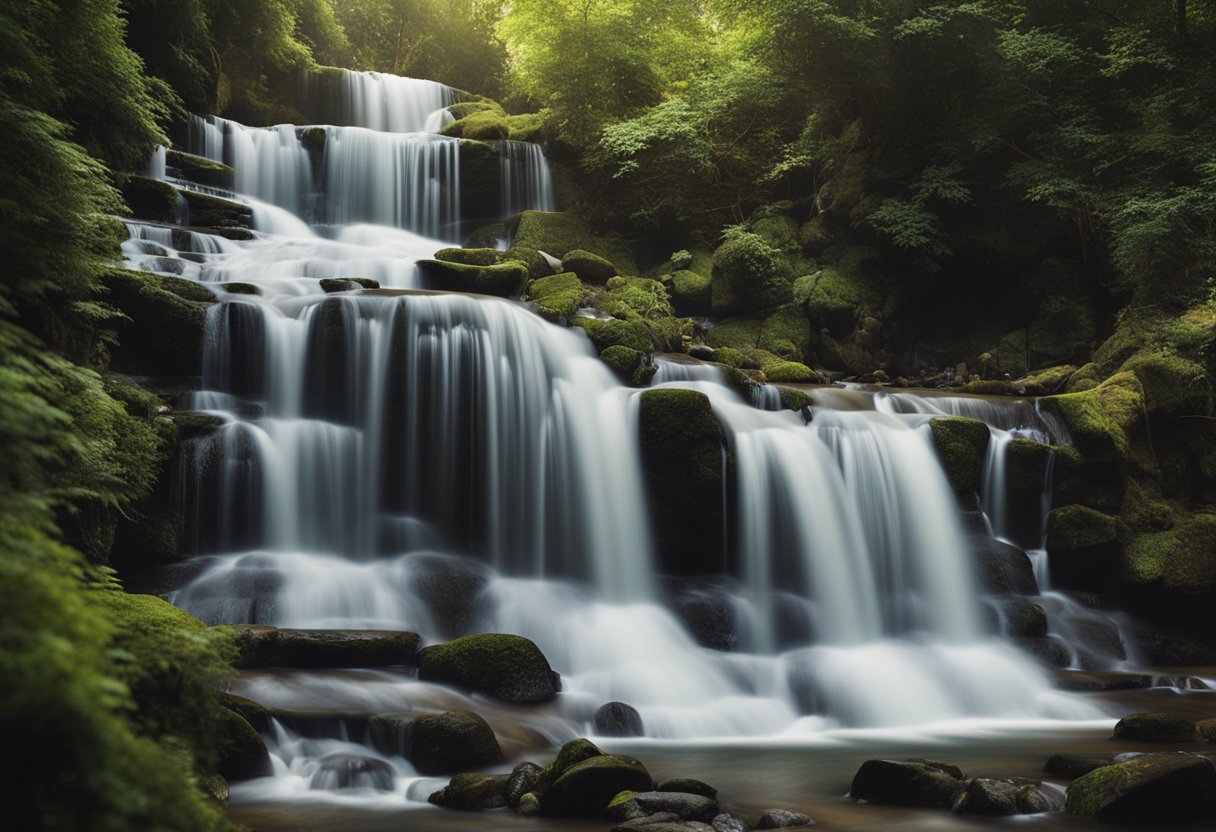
(242, 751)
(273, 647)
(1096, 682)
(443, 743)
(452, 588)
(646, 820)
(472, 792)
(928, 783)
(962, 446)
(570, 754)
(990, 796)
(783, 819)
(702, 352)
(1155, 727)
(616, 719)
(590, 267)
(1049, 650)
(507, 667)
(198, 169)
(612, 333)
(1083, 545)
(1002, 569)
(340, 771)
(1149, 791)
(255, 714)
(556, 297)
(525, 777)
(749, 274)
(586, 788)
(630, 805)
(666, 825)
(504, 279)
(790, 372)
(347, 284)
(630, 366)
(470, 256)
(688, 786)
(529, 804)
(1022, 618)
(207, 210)
(162, 334)
(1071, 766)
(561, 233)
(1205, 730)
(728, 823)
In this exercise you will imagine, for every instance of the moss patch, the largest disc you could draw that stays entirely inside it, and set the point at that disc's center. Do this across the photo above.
(962, 445)
(790, 372)
(749, 274)
(612, 333)
(588, 266)
(556, 296)
(504, 279)
(786, 333)
(508, 667)
(635, 298)
(1181, 560)
(559, 233)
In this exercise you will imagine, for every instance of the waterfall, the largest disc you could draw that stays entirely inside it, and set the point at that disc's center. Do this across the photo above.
(526, 182)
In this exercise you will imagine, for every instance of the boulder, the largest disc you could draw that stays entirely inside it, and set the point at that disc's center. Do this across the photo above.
(472, 792)
(242, 751)
(962, 445)
(1155, 727)
(451, 742)
(590, 267)
(346, 284)
(1002, 569)
(568, 755)
(274, 647)
(783, 819)
(990, 796)
(198, 169)
(525, 777)
(728, 823)
(1049, 650)
(749, 274)
(617, 719)
(1083, 545)
(1022, 618)
(557, 296)
(452, 588)
(1148, 791)
(923, 783)
(632, 805)
(585, 789)
(507, 667)
(1072, 766)
(336, 772)
(687, 785)
(504, 279)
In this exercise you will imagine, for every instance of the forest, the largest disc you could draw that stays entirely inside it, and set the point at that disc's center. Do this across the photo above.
(1009, 200)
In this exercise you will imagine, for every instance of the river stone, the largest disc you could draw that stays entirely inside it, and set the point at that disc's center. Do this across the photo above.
(451, 742)
(617, 719)
(1149, 791)
(568, 755)
(783, 819)
(352, 771)
(1071, 766)
(990, 796)
(688, 786)
(472, 792)
(926, 783)
(728, 823)
(1002, 569)
(524, 778)
(586, 788)
(646, 820)
(668, 826)
(1153, 727)
(529, 804)
(242, 751)
(630, 805)
(275, 647)
(1205, 730)
(507, 667)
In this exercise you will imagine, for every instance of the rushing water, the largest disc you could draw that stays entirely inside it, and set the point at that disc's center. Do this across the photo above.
(452, 464)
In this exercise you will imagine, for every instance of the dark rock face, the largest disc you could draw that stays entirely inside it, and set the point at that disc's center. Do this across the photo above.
(1149, 791)
(472, 792)
(451, 742)
(1002, 569)
(617, 719)
(524, 778)
(350, 771)
(507, 667)
(273, 647)
(586, 788)
(683, 806)
(962, 445)
(1071, 766)
(926, 783)
(990, 796)
(688, 786)
(1155, 728)
(783, 819)
(242, 752)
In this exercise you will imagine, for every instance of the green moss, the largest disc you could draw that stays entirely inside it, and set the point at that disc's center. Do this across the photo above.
(151, 199)
(461, 109)
(1102, 419)
(691, 291)
(780, 232)
(730, 357)
(214, 212)
(1181, 560)
(790, 372)
(1155, 727)
(1075, 528)
(163, 332)
(836, 299)
(631, 366)
(313, 139)
(508, 667)
(591, 267)
(470, 256)
(1047, 382)
(1026, 464)
(605, 334)
(560, 233)
(1141, 511)
(586, 788)
(1011, 355)
(346, 284)
(752, 275)
(786, 333)
(1171, 384)
(1086, 378)
(242, 751)
(817, 234)
(527, 127)
(962, 445)
(737, 333)
(1148, 791)
(1063, 331)
(482, 125)
(504, 279)
(200, 170)
(570, 754)
(636, 298)
(794, 399)
(472, 792)
(556, 296)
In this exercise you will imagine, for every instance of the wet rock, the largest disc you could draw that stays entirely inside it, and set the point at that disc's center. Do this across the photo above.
(993, 797)
(961, 446)
(701, 351)
(1149, 791)
(446, 743)
(617, 719)
(1050, 650)
(1205, 730)
(336, 772)
(925, 783)
(570, 754)
(783, 819)
(529, 804)
(1002, 569)
(524, 778)
(1083, 545)
(709, 614)
(274, 647)
(504, 279)
(453, 589)
(647, 820)
(630, 805)
(348, 284)
(242, 752)
(1094, 681)
(255, 714)
(1154, 727)
(687, 785)
(728, 823)
(585, 789)
(1021, 618)
(507, 667)
(1071, 766)
(471, 792)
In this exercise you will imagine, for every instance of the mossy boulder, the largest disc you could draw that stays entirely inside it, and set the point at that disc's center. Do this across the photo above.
(199, 170)
(618, 719)
(507, 667)
(786, 333)
(995, 797)
(470, 256)
(683, 459)
(834, 299)
(616, 333)
(1072, 766)
(794, 399)
(262, 646)
(570, 754)
(559, 233)
(1171, 384)
(163, 332)
(588, 266)
(483, 125)
(256, 714)
(151, 199)
(557, 296)
(472, 792)
(690, 292)
(749, 274)
(450, 742)
(790, 372)
(1148, 791)
(1102, 420)
(214, 212)
(1155, 727)
(242, 751)
(962, 446)
(345, 284)
(1026, 464)
(922, 783)
(629, 805)
(1000, 568)
(504, 279)
(735, 333)
(1177, 566)
(586, 788)
(630, 366)
(1083, 545)
(635, 298)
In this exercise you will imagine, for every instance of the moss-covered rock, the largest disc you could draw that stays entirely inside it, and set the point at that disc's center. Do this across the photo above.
(199, 170)
(690, 292)
(631, 366)
(834, 299)
(470, 256)
(1171, 384)
(817, 234)
(1072, 766)
(683, 458)
(790, 372)
(962, 445)
(614, 333)
(780, 232)
(586, 788)
(1155, 727)
(924, 783)
(635, 298)
(1083, 545)
(557, 296)
(151, 199)
(1178, 565)
(1048, 381)
(1011, 355)
(256, 714)
(559, 233)
(1026, 463)
(163, 331)
(450, 742)
(734, 333)
(524, 778)
(1001, 568)
(1148, 791)
(786, 333)
(504, 279)
(507, 667)
(588, 266)
(995, 797)
(211, 211)
(794, 399)
(242, 751)
(347, 284)
(483, 125)
(1101, 420)
(749, 274)
(570, 754)
(274, 647)
(471, 792)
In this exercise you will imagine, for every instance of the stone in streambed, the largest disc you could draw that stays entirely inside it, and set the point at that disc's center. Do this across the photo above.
(664, 826)
(274, 647)
(507, 667)
(925, 783)
(687, 785)
(1001, 797)
(1071, 766)
(524, 778)
(783, 819)
(437, 743)
(1153, 727)
(728, 823)
(585, 789)
(472, 792)
(242, 751)
(631, 805)
(617, 719)
(1150, 790)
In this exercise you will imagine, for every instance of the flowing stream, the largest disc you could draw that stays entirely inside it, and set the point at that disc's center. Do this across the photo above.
(379, 449)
